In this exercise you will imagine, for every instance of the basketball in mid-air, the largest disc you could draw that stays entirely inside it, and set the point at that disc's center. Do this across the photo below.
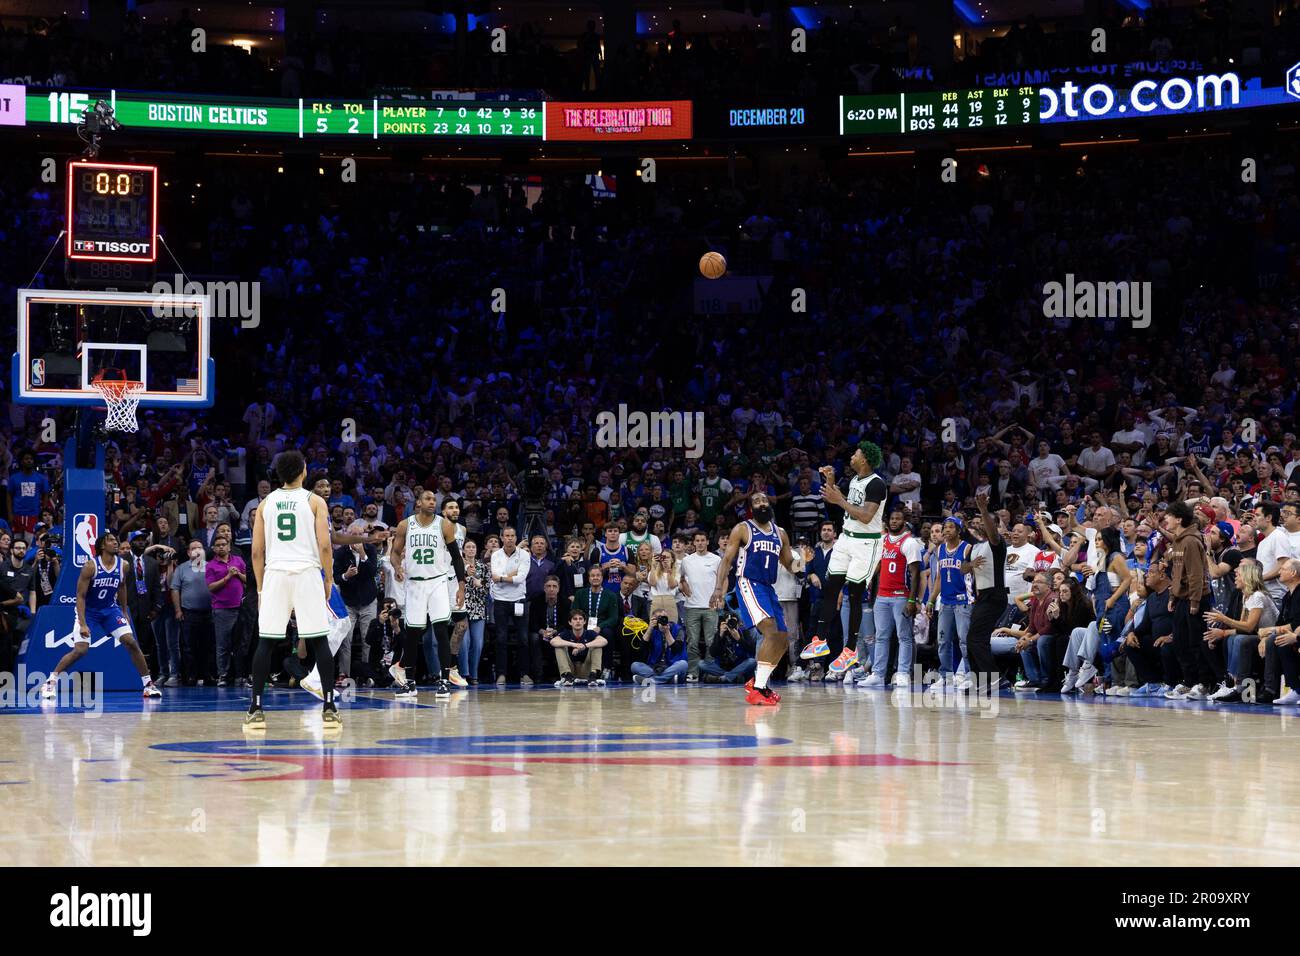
(712, 265)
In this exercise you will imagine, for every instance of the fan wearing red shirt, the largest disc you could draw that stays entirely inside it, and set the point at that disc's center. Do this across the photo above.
(897, 590)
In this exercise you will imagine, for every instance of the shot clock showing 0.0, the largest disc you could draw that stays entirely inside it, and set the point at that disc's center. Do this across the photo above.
(112, 212)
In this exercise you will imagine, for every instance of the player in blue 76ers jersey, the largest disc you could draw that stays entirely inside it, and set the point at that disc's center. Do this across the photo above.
(101, 607)
(757, 546)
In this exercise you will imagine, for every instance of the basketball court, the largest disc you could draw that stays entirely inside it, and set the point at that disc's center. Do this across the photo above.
(684, 775)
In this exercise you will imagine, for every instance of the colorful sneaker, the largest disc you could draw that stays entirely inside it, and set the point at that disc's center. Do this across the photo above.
(255, 720)
(455, 679)
(761, 697)
(330, 718)
(151, 690)
(842, 663)
(816, 648)
(311, 684)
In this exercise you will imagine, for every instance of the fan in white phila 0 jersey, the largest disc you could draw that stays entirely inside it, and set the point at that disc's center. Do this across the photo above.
(294, 568)
(425, 553)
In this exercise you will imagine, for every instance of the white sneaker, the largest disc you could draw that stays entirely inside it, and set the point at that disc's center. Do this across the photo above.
(872, 680)
(151, 690)
(311, 684)
(1222, 691)
(1087, 671)
(1289, 699)
(1177, 693)
(455, 679)
(1069, 686)
(692, 678)
(797, 675)
(1121, 691)
(902, 680)
(398, 673)
(525, 681)
(1197, 692)
(963, 683)
(50, 689)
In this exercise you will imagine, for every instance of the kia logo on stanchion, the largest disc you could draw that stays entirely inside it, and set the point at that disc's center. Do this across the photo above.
(85, 530)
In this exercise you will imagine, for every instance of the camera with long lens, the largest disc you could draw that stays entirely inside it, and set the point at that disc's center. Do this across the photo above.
(534, 485)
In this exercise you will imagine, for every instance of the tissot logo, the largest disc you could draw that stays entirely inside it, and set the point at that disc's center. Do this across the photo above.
(104, 245)
(77, 909)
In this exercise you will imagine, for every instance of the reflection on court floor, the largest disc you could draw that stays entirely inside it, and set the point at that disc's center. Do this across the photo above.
(685, 775)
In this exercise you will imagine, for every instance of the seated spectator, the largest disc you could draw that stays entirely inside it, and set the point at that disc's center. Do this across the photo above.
(1254, 611)
(547, 617)
(578, 652)
(666, 661)
(731, 655)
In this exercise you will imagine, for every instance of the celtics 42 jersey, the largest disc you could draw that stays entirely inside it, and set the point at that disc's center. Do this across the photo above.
(426, 552)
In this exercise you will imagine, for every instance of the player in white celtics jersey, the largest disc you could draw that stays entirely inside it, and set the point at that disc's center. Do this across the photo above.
(425, 554)
(459, 616)
(291, 552)
(856, 553)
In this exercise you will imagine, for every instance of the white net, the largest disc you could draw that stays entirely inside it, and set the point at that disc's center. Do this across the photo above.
(122, 399)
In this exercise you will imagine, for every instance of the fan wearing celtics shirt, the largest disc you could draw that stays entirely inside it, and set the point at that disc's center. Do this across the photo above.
(856, 553)
(422, 546)
(638, 533)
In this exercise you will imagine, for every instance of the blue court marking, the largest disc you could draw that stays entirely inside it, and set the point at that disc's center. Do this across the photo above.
(505, 745)
(12, 783)
(210, 700)
(121, 779)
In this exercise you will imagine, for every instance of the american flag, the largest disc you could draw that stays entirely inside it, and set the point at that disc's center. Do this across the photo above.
(188, 385)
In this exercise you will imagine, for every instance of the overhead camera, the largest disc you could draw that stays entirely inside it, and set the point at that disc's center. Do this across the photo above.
(96, 121)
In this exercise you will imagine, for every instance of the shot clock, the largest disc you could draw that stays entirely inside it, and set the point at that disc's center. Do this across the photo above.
(112, 217)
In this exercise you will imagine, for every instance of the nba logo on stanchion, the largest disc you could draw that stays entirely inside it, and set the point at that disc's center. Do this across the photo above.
(38, 372)
(85, 530)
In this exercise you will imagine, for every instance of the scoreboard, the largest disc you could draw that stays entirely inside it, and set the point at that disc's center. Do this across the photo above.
(367, 117)
(939, 111)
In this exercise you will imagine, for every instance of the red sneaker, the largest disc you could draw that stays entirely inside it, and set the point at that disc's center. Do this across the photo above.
(765, 697)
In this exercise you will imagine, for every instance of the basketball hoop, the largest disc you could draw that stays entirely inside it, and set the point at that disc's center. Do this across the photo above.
(122, 396)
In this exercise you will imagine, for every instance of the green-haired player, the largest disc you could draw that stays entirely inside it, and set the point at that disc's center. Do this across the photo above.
(855, 555)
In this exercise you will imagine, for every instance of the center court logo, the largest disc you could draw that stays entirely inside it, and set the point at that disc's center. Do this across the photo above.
(508, 754)
(624, 429)
(76, 909)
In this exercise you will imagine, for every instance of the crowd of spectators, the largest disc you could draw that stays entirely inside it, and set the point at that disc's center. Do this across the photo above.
(380, 355)
(846, 51)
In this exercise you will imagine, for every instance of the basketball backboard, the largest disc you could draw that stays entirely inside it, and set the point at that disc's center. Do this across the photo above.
(65, 337)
